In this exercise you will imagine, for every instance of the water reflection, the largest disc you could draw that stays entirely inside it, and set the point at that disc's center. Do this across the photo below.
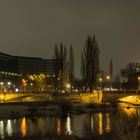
(68, 125)
(108, 123)
(1, 129)
(100, 122)
(81, 125)
(9, 128)
(58, 126)
(24, 127)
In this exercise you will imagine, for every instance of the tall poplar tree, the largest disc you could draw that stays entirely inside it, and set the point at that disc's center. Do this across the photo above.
(90, 63)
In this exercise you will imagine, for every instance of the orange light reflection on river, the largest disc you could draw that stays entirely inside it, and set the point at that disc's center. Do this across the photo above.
(24, 127)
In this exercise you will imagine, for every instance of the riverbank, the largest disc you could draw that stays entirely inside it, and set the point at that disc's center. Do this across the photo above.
(29, 109)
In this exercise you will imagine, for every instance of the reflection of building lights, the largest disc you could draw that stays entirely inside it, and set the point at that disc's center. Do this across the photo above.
(58, 127)
(31, 84)
(23, 127)
(1, 130)
(100, 123)
(68, 126)
(108, 127)
(9, 128)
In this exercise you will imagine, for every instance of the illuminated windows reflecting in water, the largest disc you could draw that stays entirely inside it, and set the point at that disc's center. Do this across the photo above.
(1, 130)
(108, 123)
(24, 127)
(9, 128)
(100, 123)
(58, 126)
(68, 126)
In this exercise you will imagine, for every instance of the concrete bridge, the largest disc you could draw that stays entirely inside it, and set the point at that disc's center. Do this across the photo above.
(110, 96)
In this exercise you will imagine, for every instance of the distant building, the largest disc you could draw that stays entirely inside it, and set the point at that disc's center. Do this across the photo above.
(25, 65)
(29, 65)
(7, 63)
(49, 65)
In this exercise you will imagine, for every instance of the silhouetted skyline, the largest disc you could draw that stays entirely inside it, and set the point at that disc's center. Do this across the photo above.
(32, 28)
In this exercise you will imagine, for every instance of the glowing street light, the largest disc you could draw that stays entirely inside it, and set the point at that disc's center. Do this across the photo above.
(138, 82)
(68, 86)
(108, 81)
(108, 77)
(9, 83)
(100, 79)
(1, 83)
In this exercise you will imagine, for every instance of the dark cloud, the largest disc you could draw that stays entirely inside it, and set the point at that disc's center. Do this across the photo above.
(32, 28)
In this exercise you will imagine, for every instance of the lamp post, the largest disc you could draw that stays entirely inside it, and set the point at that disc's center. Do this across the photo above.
(138, 83)
(100, 82)
(108, 84)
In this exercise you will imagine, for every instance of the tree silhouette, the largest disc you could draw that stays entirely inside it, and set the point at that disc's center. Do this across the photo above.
(60, 55)
(90, 63)
(130, 72)
(71, 66)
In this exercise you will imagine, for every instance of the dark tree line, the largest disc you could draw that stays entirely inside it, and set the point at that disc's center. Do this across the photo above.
(131, 72)
(64, 65)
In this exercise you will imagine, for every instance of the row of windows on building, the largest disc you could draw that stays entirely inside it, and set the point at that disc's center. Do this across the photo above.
(25, 65)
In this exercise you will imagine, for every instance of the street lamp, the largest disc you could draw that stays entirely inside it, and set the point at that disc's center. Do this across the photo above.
(101, 82)
(138, 83)
(108, 84)
(1, 83)
(9, 83)
(68, 86)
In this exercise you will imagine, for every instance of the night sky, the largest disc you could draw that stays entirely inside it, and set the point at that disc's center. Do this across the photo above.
(32, 27)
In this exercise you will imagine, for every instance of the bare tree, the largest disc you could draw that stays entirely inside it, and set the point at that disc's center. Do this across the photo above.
(131, 73)
(83, 71)
(60, 55)
(90, 63)
(71, 66)
(111, 72)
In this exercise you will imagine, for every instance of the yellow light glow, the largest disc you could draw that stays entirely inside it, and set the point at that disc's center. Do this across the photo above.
(68, 86)
(100, 123)
(108, 77)
(24, 127)
(1, 83)
(100, 79)
(1, 96)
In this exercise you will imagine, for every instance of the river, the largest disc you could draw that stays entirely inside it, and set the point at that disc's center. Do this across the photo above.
(114, 125)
